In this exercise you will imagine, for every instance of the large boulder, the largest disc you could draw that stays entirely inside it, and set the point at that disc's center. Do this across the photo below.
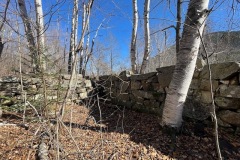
(220, 70)
(165, 75)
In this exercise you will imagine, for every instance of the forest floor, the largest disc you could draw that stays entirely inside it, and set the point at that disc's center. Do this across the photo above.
(114, 134)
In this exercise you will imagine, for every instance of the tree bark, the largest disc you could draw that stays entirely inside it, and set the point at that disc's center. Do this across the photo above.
(73, 38)
(81, 53)
(186, 61)
(146, 36)
(29, 34)
(40, 34)
(134, 37)
(178, 26)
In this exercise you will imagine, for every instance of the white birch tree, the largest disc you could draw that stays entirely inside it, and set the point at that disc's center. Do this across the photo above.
(1, 26)
(133, 49)
(186, 61)
(73, 39)
(40, 34)
(146, 36)
(178, 25)
(29, 34)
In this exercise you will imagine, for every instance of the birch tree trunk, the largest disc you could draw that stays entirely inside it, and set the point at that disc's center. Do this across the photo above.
(1, 26)
(78, 49)
(40, 34)
(29, 34)
(186, 61)
(146, 36)
(73, 38)
(178, 26)
(134, 37)
(81, 53)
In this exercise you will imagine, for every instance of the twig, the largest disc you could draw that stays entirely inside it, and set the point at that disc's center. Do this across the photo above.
(59, 118)
(112, 156)
(100, 116)
(34, 110)
(213, 103)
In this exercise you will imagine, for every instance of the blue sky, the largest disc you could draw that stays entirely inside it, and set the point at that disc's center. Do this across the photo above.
(118, 23)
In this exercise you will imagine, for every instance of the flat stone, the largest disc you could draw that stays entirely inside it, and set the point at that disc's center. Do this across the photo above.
(80, 90)
(229, 91)
(124, 86)
(6, 93)
(135, 85)
(224, 82)
(222, 123)
(165, 75)
(206, 97)
(153, 79)
(123, 97)
(230, 117)
(221, 70)
(88, 83)
(136, 99)
(195, 109)
(83, 95)
(143, 76)
(200, 63)
(194, 84)
(7, 102)
(205, 85)
(227, 103)
(143, 94)
(9, 79)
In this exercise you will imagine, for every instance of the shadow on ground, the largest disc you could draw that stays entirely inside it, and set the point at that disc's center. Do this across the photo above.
(196, 140)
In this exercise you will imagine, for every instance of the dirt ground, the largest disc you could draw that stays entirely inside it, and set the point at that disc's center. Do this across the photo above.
(111, 133)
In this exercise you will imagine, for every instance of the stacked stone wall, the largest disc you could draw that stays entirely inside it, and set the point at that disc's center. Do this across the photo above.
(147, 92)
(12, 92)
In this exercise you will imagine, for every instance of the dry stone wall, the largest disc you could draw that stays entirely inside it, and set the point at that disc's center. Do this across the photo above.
(11, 89)
(147, 92)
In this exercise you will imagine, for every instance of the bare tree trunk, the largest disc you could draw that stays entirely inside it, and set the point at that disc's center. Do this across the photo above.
(73, 38)
(1, 26)
(29, 34)
(40, 34)
(133, 49)
(186, 61)
(81, 53)
(89, 52)
(146, 36)
(79, 48)
(178, 26)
